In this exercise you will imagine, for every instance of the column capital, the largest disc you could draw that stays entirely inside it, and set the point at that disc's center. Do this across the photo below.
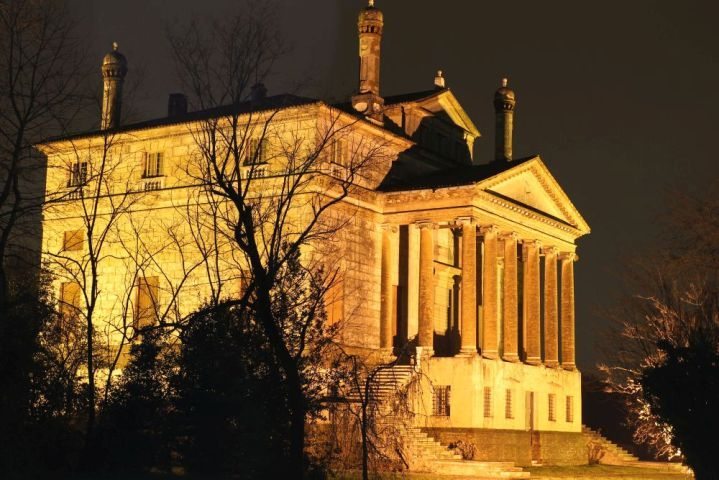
(488, 229)
(569, 256)
(461, 221)
(532, 243)
(389, 227)
(425, 224)
(550, 250)
(508, 236)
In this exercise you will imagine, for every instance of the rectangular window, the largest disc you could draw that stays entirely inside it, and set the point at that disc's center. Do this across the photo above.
(508, 408)
(78, 174)
(256, 151)
(153, 165)
(70, 299)
(334, 302)
(551, 410)
(440, 400)
(570, 409)
(338, 152)
(146, 306)
(73, 240)
(487, 402)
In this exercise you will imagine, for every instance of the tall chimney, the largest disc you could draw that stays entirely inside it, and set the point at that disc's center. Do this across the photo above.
(369, 27)
(258, 94)
(504, 102)
(176, 104)
(114, 69)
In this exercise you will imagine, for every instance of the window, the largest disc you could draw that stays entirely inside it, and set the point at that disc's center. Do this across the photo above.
(334, 302)
(552, 414)
(153, 165)
(70, 298)
(440, 401)
(73, 240)
(487, 402)
(508, 410)
(570, 409)
(78, 174)
(146, 307)
(256, 151)
(338, 152)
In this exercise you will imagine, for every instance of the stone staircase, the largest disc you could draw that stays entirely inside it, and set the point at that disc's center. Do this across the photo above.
(420, 451)
(384, 384)
(615, 455)
(425, 453)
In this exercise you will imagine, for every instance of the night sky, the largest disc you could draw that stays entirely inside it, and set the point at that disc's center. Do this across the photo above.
(619, 97)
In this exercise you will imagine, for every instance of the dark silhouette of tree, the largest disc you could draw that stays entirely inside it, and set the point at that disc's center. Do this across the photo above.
(664, 356)
(266, 176)
(39, 85)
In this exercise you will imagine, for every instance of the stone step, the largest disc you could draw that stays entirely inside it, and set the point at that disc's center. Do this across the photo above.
(662, 466)
(478, 469)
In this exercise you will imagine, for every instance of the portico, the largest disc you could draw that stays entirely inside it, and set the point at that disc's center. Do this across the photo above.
(495, 264)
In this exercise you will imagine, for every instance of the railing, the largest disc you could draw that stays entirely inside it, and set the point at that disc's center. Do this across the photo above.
(152, 184)
(74, 194)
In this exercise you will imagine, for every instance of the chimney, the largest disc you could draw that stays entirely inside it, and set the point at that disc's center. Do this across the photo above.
(114, 69)
(504, 102)
(258, 93)
(439, 82)
(367, 101)
(176, 105)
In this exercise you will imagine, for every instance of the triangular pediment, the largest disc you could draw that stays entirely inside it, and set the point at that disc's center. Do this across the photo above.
(445, 103)
(530, 185)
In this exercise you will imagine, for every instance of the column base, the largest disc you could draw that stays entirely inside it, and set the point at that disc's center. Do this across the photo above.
(569, 366)
(533, 361)
(510, 357)
(467, 352)
(551, 363)
(425, 351)
(491, 355)
(387, 354)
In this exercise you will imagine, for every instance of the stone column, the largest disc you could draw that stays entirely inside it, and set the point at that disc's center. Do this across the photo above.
(532, 306)
(469, 287)
(412, 280)
(387, 306)
(490, 341)
(426, 287)
(511, 301)
(568, 260)
(551, 321)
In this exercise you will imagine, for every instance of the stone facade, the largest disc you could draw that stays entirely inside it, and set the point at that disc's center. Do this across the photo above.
(463, 269)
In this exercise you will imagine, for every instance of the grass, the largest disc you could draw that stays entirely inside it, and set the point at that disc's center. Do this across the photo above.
(590, 471)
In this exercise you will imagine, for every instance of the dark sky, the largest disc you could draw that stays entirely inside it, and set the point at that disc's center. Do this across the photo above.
(619, 97)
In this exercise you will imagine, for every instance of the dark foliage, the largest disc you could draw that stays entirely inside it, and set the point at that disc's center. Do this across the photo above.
(230, 400)
(663, 355)
(682, 388)
(41, 397)
(136, 430)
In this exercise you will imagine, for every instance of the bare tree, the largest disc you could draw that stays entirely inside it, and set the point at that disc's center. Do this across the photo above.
(40, 94)
(665, 339)
(264, 165)
(95, 193)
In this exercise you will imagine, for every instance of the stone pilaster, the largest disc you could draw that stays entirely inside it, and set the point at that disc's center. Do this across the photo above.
(387, 307)
(490, 338)
(551, 321)
(532, 306)
(426, 287)
(510, 348)
(567, 260)
(469, 287)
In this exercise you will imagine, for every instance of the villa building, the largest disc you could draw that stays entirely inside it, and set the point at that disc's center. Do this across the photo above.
(464, 268)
